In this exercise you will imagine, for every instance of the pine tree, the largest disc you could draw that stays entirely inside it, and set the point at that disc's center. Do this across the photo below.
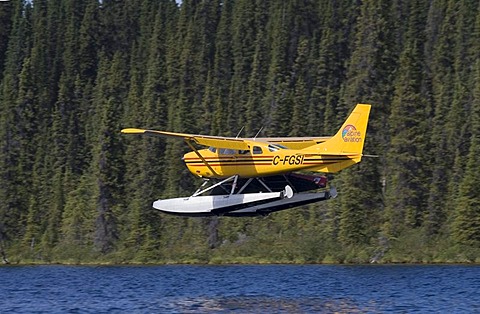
(301, 90)
(148, 108)
(256, 88)
(78, 218)
(466, 225)
(6, 21)
(406, 192)
(368, 80)
(243, 32)
(12, 208)
(222, 71)
(450, 27)
(275, 100)
(107, 162)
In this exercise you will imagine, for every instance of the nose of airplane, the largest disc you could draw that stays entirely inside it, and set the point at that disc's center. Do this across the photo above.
(190, 160)
(188, 156)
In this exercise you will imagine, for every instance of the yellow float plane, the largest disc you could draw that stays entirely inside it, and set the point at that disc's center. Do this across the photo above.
(257, 176)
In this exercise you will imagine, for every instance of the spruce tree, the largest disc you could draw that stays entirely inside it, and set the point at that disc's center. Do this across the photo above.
(275, 101)
(368, 80)
(222, 70)
(78, 217)
(6, 21)
(12, 208)
(107, 162)
(253, 114)
(243, 32)
(406, 190)
(466, 224)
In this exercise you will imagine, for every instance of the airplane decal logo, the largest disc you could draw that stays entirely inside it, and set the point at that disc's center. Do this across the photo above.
(350, 134)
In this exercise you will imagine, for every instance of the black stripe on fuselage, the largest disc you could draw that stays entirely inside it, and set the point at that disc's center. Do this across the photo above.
(228, 161)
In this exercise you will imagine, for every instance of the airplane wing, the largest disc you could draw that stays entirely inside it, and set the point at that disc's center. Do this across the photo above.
(292, 142)
(205, 140)
(233, 142)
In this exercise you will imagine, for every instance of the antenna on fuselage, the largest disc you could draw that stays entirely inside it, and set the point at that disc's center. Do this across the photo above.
(258, 133)
(239, 132)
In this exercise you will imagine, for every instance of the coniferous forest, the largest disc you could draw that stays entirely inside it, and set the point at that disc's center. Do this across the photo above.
(73, 73)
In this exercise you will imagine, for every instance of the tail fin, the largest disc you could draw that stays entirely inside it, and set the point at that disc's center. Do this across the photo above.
(351, 136)
(347, 144)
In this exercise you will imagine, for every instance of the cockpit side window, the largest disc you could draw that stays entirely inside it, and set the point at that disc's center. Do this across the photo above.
(257, 150)
(226, 151)
(212, 149)
(274, 147)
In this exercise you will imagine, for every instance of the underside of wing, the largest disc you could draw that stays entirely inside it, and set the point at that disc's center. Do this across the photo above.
(293, 142)
(205, 140)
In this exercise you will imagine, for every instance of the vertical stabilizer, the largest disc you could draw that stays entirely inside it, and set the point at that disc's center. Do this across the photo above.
(346, 146)
(351, 136)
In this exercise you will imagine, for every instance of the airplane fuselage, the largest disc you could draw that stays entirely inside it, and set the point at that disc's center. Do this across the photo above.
(260, 160)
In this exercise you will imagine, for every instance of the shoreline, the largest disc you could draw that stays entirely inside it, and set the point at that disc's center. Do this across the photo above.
(102, 264)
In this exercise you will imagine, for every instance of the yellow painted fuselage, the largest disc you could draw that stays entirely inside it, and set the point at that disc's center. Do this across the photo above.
(261, 159)
(257, 157)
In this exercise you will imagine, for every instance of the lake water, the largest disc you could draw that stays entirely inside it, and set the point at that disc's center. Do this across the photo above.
(240, 289)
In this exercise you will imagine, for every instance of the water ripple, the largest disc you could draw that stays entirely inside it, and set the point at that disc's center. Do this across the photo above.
(240, 289)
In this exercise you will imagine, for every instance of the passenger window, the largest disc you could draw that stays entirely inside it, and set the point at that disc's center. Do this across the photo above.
(243, 152)
(226, 151)
(212, 149)
(273, 148)
(257, 150)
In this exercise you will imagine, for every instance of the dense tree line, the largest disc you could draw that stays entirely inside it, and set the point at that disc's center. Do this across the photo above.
(74, 73)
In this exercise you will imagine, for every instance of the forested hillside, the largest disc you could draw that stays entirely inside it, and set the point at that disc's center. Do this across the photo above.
(73, 73)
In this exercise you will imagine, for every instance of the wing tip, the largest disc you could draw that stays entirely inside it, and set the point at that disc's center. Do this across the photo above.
(133, 131)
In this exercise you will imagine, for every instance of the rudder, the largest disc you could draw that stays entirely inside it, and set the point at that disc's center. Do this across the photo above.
(345, 148)
(350, 138)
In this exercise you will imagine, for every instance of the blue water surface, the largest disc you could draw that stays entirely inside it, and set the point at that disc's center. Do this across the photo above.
(240, 289)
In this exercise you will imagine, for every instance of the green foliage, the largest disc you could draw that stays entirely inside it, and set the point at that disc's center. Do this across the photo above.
(73, 73)
(467, 217)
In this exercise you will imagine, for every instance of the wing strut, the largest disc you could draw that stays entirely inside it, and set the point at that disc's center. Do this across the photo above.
(200, 156)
